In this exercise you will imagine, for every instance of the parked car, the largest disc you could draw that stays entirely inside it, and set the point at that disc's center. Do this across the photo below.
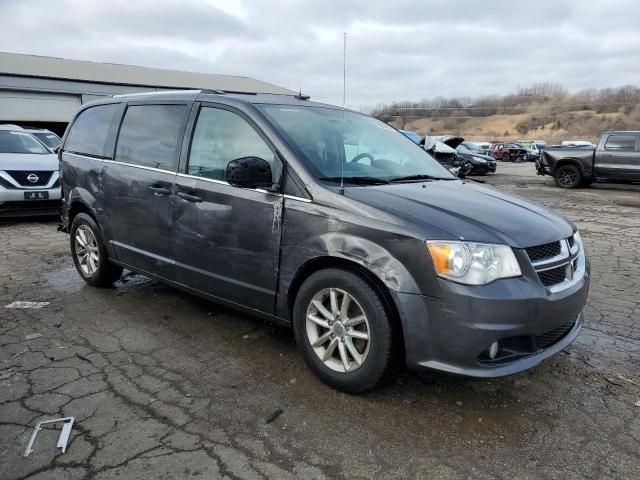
(50, 139)
(533, 153)
(508, 152)
(616, 158)
(480, 164)
(324, 219)
(442, 149)
(47, 137)
(29, 175)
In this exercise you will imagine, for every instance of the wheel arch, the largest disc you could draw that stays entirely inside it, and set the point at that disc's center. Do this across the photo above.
(326, 262)
(570, 161)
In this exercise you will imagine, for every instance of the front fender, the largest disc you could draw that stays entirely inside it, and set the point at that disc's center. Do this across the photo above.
(398, 261)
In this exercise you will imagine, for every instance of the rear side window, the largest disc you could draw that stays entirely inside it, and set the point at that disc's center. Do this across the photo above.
(89, 134)
(150, 135)
(621, 143)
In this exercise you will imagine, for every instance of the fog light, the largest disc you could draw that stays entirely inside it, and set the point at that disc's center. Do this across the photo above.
(493, 350)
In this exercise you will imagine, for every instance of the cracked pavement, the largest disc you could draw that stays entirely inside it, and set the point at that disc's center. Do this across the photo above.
(166, 385)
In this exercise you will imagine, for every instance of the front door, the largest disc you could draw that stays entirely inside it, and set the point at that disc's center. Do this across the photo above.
(137, 186)
(618, 157)
(226, 239)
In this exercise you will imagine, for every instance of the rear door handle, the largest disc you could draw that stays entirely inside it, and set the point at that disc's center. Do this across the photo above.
(189, 198)
(607, 155)
(157, 190)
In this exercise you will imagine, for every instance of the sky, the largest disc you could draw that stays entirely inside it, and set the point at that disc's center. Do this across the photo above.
(396, 50)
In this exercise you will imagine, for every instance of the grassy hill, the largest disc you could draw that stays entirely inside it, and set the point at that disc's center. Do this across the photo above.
(544, 111)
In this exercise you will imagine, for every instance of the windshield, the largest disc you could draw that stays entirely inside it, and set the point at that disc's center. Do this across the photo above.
(464, 149)
(20, 142)
(341, 144)
(49, 139)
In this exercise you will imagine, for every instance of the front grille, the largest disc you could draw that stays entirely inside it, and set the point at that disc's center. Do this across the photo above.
(21, 177)
(540, 252)
(556, 262)
(552, 337)
(553, 276)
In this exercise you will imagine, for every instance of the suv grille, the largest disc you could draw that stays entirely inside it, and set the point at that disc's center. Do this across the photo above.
(551, 337)
(21, 177)
(540, 252)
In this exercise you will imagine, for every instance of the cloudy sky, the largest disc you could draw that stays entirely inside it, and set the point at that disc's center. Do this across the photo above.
(396, 50)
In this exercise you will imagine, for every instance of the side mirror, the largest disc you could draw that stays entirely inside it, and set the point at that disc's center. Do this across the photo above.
(249, 172)
(57, 149)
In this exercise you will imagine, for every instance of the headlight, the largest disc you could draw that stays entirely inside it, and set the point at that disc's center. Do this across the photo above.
(473, 263)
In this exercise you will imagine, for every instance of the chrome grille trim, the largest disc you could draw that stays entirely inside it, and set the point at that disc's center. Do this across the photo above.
(571, 258)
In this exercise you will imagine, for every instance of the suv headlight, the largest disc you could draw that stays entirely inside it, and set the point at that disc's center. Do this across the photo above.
(473, 263)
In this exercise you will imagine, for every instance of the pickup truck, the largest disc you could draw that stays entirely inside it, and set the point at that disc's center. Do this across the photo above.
(615, 158)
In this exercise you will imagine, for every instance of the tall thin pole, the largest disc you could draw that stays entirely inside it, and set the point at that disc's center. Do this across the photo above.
(344, 70)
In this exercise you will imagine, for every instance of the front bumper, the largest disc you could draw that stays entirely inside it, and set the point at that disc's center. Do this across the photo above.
(452, 333)
(13, 204)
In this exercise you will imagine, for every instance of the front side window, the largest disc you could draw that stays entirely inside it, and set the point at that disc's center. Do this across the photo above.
(20, 142)
(89, 133)
(150, 134)
(621, 143)
(221, 136)
(338, 144)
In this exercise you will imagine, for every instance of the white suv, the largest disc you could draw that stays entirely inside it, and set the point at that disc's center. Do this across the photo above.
(29, 175)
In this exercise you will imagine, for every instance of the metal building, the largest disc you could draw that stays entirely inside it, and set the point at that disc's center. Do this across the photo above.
(47, 91)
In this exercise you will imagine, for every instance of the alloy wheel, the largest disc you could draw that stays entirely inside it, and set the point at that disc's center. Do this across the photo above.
(566, 177)
(86, 250)
(338, 330)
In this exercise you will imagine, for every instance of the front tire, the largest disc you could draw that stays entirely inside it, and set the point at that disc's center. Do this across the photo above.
(343, 329)
(89, 253)
(568, 176)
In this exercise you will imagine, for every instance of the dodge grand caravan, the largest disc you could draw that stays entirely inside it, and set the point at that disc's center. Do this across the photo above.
(324, 219)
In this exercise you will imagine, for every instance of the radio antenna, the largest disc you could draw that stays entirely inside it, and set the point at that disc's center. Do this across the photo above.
(344, 70)
(344, 99)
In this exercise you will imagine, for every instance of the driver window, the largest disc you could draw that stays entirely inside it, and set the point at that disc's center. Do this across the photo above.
(221, 136)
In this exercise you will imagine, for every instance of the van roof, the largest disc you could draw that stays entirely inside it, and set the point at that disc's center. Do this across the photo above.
(212, 95)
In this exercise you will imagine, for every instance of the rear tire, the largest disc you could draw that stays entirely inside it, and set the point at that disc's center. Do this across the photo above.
(568, 176)
(350, 349)
(89, 253)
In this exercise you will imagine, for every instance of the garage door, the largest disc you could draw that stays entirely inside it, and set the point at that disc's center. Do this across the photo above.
(37, 107)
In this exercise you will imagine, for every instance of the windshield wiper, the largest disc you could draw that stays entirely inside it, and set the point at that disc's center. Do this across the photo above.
(409, 178)
(357, 180)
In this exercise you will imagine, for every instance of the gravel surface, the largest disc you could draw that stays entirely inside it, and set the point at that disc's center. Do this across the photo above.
(166, 385)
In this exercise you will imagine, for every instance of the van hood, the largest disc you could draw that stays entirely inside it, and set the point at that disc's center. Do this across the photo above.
(461, 210)
(29, 161)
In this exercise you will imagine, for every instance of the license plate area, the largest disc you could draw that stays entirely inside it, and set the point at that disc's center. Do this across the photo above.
(36, 195)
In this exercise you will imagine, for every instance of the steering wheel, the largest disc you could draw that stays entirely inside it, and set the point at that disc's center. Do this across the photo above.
(357, 158)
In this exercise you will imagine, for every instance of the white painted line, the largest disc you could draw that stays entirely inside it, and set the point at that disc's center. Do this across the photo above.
(36, 305)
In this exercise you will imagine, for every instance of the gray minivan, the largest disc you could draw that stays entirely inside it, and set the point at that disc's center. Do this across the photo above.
(325, 219)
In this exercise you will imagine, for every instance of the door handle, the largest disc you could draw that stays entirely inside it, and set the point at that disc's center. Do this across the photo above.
(607, 155)
(189, 198)
(157, 190)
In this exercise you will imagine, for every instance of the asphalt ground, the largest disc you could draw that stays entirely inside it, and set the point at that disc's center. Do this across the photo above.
(166, 385)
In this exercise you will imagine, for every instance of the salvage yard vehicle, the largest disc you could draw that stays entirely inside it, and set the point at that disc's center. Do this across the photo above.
(508, 152)
(29, 175)
(324, 219)
(480, 164)
(616, 158)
